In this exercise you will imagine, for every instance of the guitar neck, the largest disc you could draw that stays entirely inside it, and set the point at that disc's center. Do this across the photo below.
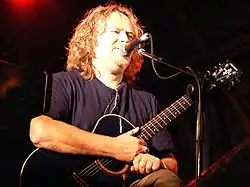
(160, 121)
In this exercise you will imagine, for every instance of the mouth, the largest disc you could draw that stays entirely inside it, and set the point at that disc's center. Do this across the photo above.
(118, 49)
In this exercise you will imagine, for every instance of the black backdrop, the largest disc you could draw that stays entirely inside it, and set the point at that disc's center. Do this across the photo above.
(194, 33)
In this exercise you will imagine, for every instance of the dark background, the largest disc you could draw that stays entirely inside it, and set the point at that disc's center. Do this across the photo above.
(199, 34)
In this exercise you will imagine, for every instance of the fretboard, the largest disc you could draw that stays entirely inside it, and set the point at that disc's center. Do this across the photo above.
(160, 121)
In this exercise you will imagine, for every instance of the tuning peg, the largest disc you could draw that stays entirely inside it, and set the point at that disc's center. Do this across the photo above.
(208, 74)
(220, 64)
(215, 68)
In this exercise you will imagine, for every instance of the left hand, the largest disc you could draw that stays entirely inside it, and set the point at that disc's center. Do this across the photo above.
(145, 164)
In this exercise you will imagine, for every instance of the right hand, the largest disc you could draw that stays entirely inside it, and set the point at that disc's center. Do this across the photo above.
(128, 146)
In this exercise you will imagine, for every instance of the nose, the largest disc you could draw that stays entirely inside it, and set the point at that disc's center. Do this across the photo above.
(123, 37)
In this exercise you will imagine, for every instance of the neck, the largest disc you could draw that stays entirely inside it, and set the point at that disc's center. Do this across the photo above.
(110, 80)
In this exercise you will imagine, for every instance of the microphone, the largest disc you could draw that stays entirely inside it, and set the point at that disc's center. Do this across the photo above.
(127, 48)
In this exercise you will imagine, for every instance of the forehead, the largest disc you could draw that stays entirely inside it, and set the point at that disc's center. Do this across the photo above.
(119, 20)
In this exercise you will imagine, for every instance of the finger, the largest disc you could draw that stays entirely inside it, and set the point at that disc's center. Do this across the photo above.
(143, 150)
(142, 142)
(156, 165)
(136, 162)
(132, 132)
(142, 165)
(149, 166)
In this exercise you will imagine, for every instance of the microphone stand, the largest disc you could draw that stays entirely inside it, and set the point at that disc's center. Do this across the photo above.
(199, 126)
(142, 52)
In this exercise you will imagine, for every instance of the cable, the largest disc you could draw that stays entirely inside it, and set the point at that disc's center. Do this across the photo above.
(153, 64)
(161, 60)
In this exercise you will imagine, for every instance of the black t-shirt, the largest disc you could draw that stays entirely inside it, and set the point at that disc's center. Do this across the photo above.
(81, 103)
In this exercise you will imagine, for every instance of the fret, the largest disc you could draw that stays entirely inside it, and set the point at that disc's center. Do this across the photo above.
(146, 131)
(171, 112)
(147, 126)
(166, 116)
(181, 105)
(176, 109)
(161, 119)
(155, 128)
(186, 100)
(141, 135)
(157, 122)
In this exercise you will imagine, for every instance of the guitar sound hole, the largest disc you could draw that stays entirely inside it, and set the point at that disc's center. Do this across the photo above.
(113, 165)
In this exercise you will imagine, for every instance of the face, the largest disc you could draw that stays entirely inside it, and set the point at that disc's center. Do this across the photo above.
(118, 31)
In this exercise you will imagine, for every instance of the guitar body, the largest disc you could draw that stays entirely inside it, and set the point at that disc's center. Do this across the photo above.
(47, 168)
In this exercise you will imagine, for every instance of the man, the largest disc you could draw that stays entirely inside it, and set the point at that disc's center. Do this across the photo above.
(99, 82)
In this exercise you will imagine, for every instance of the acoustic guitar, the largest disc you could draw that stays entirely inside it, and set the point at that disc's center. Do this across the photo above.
(47, 168)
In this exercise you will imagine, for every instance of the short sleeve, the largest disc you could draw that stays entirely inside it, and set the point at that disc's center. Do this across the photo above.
(59, 101)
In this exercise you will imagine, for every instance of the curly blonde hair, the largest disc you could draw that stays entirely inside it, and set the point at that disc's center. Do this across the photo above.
(84, 39)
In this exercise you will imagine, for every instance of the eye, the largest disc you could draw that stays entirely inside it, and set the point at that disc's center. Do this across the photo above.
(131, 36)
(115, 31)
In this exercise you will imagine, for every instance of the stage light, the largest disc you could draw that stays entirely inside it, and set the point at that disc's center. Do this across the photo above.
(22, 3)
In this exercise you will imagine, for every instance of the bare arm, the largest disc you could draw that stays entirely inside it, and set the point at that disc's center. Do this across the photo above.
(61, 137)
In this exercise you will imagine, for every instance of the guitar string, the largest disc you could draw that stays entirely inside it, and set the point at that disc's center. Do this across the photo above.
(106, 115)
(177, 106)
(21, 172)
(96, 169)
(106, 164)
(94, 166)
(173, 105)
(104, 160)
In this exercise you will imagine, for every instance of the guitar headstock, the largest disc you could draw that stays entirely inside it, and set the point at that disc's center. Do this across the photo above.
(225, 74)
